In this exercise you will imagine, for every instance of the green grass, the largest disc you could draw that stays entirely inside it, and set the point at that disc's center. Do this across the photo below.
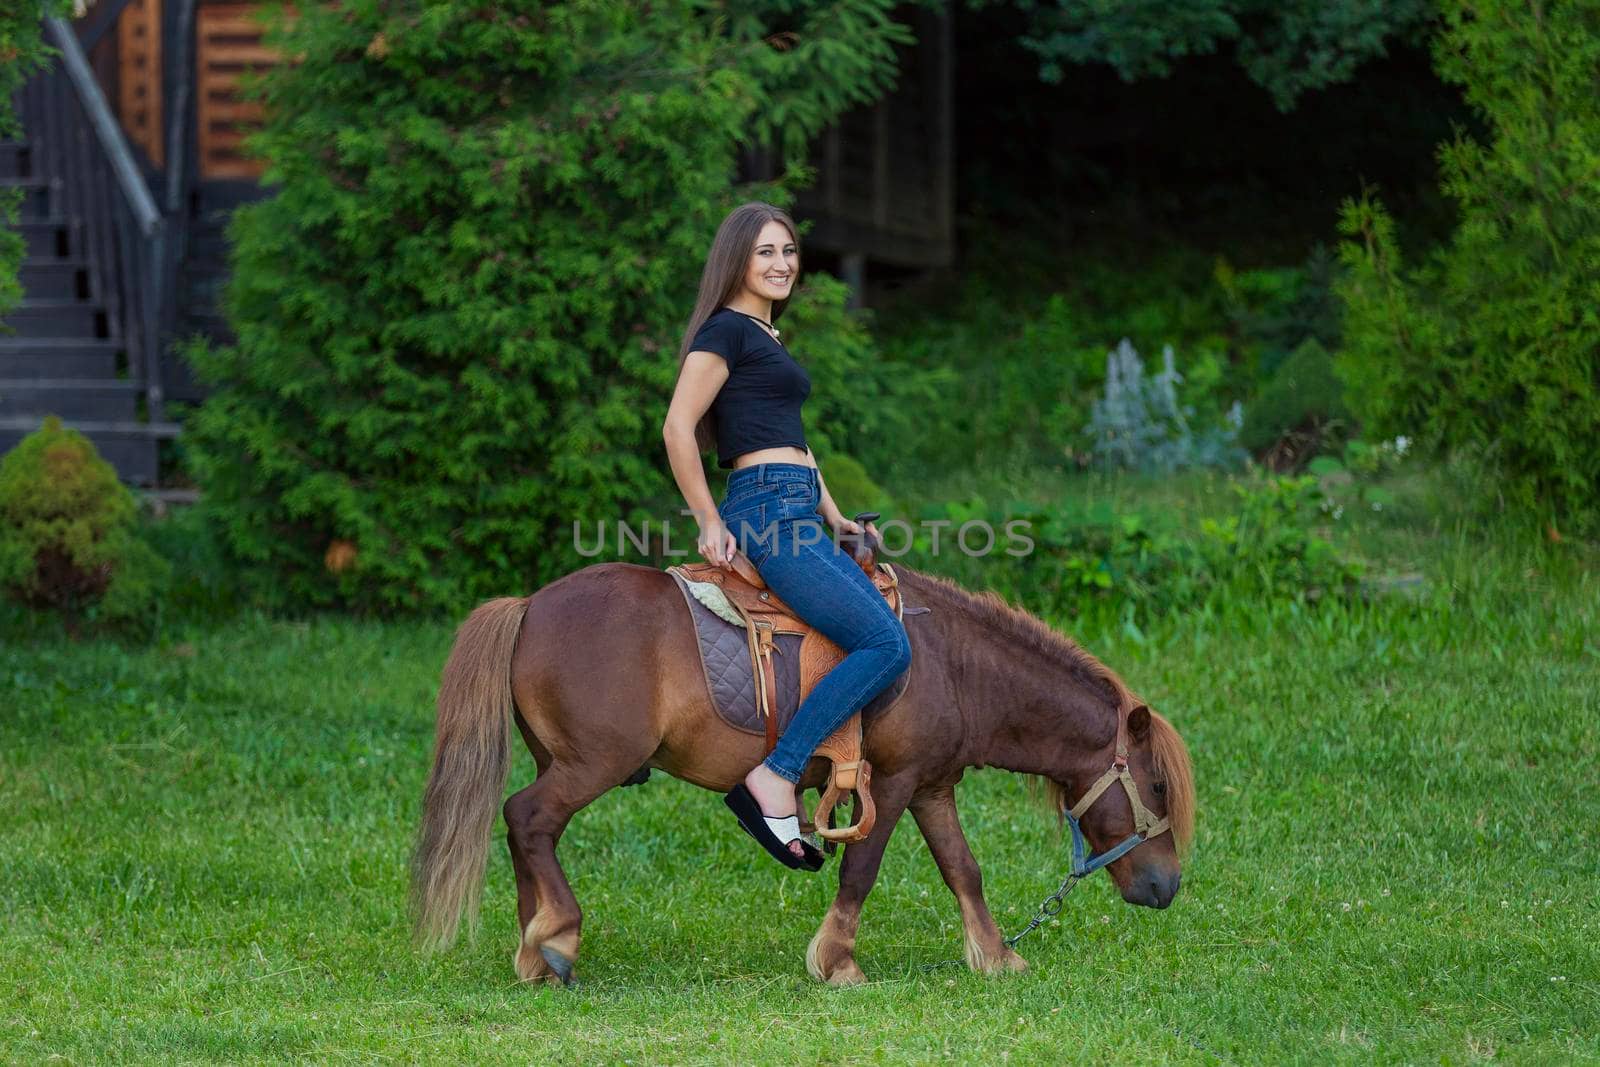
(204, 848)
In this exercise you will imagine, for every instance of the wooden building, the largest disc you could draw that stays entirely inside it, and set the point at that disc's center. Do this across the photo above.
(132, 160)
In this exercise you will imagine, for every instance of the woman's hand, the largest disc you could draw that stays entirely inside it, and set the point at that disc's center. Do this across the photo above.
(717, 543)
(842, 526)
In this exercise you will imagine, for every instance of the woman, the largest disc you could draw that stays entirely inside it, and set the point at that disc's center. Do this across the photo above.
(740, 392)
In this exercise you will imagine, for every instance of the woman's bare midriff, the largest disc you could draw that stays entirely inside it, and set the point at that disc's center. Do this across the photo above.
(779, 454)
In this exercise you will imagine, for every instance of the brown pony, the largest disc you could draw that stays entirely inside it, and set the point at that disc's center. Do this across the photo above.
(600, 672)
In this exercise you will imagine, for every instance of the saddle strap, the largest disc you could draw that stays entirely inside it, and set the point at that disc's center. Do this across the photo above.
(769, 681)
(754, 644)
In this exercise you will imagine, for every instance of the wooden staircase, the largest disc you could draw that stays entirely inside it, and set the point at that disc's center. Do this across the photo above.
(202, 274)
(57, 352)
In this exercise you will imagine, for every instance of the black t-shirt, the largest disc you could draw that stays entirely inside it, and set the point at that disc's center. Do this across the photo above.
(759, 405)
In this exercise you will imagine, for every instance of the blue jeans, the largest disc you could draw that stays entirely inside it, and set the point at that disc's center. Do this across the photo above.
(771, 508)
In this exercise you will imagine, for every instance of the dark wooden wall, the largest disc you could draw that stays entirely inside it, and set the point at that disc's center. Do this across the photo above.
(885, 174)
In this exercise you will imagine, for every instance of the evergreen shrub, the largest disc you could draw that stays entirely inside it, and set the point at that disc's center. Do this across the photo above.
(1274, 310)
(1491, 344)
(1304, 397)
(458, 317)
(68, 532)
(205, 585)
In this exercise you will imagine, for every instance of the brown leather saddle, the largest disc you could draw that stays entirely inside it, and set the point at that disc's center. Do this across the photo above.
(767, 621)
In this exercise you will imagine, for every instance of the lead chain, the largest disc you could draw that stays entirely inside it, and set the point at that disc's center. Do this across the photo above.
(1048, 909)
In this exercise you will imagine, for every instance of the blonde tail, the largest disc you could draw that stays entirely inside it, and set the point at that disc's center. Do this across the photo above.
(471, 756)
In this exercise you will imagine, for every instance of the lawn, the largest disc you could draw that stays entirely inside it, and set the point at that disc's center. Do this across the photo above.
(205, 843)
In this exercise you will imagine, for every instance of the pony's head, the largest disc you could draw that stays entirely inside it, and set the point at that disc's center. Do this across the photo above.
(1069, 710)
(1159, 764)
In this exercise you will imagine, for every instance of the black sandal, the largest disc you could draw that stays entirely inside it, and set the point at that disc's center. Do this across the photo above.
(772, 832)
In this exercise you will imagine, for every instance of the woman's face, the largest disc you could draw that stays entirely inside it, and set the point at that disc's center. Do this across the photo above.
(774, 262)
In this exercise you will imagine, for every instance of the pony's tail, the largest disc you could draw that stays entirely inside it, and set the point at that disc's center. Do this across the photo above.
(471, 755)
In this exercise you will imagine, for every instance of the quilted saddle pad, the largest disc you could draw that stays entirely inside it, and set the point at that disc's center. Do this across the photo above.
(730, 676)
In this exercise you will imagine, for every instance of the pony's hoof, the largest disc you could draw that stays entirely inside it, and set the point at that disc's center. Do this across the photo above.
(530, 965)
(560, 966)
(1008, 962)
(543, 965)
(846, 974)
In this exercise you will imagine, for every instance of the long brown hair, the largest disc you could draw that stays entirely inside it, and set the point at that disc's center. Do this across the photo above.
(722, 277)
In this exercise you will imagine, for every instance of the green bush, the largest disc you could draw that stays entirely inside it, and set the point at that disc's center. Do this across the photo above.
(1492, 343)
(1270, 549)
(1274, 310)
(205, 586)
(1287, 48)
(851, 487)
(1107, 566)
(1022, 374)
(68, 538)
(1349, 481)
(859, 403)
(458, 317)
(1304, 398)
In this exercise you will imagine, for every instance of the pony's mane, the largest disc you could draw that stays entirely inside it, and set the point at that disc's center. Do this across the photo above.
(1168, 752)
(1033, 633)
(1171, 758)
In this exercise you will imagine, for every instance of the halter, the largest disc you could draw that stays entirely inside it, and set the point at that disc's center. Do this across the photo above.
(1145, 825)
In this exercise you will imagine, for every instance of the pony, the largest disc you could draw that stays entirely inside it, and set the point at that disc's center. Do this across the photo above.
(599, 672)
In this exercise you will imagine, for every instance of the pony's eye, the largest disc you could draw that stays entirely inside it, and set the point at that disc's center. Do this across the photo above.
(1160, 789)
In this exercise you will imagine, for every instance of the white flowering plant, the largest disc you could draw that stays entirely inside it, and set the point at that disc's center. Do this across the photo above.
(1346, 481)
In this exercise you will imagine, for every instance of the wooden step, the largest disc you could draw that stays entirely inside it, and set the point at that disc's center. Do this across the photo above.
(202, 289)
(217, 198)
(182, 384)
(130, 447)
(45, 238)
(205, 321)
(164, 500)
(15, 160)
(198, 266)
(55, 279)
(58, 357)
(108, 400)
(55, 318)
(208, 246)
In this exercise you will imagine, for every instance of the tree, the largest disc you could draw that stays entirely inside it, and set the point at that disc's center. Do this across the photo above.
(1286, 46)
(1493, 341)
(458, 317)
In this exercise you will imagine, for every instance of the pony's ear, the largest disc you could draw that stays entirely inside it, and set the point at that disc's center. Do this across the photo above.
(1139, 723)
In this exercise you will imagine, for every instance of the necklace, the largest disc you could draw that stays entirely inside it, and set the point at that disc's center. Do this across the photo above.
(762, 321)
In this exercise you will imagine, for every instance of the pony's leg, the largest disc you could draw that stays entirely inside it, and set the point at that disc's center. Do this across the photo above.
(547, 911)
(527, 890)
(986, 950)
(831, 955)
